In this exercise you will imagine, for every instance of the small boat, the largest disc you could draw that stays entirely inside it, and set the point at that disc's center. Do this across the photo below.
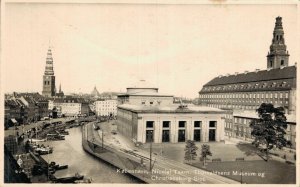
(72, 179)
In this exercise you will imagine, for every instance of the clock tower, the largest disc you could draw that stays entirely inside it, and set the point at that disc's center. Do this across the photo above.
(48, 77)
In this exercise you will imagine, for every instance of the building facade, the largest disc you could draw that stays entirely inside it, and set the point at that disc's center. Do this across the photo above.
(144, 115)
(170, 124)
(242, 130)
(247, 91)
(106, 107)
(70, 106)
(49, 77)
(25, 108)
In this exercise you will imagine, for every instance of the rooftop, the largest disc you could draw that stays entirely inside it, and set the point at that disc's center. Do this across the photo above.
(264, 75)
(146, 93)
(175, 108)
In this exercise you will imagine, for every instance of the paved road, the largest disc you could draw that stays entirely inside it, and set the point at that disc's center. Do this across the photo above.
(169, 170)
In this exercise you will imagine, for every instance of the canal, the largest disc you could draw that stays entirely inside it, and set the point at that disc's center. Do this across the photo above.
(70, 152)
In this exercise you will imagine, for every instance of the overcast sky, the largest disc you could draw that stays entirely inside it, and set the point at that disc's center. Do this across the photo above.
(178, 48)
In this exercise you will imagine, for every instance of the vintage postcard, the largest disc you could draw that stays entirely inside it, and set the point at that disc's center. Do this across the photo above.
(149, 92)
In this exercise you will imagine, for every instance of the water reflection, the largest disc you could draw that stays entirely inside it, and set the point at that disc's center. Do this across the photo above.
(70, 152)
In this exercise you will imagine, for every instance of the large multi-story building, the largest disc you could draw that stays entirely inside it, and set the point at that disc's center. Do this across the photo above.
(145, 115)
(49, 77)
(106, 107)
(247, 91)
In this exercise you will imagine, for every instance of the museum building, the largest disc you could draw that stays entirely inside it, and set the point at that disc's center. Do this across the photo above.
(145, 115)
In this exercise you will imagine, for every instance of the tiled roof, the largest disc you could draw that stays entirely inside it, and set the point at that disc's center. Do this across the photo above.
(69, 100)
(11, 103)
(274, 79)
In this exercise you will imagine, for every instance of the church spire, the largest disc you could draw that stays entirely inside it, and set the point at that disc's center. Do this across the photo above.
(49, 63)
(278, 55)
(49, 88)
(60, 88)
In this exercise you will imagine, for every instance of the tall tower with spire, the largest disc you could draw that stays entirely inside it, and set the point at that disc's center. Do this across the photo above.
(278, 56)
(48, 77)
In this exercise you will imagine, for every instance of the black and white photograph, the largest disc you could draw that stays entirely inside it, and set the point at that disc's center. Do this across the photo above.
(149, 92)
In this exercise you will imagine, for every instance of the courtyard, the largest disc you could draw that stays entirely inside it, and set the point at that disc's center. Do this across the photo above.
(275, 171)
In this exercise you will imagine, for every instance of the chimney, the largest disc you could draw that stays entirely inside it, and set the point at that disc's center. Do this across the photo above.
(246, 72)
(220, 76)
(227, 74)
(236, 73)
(257, 70)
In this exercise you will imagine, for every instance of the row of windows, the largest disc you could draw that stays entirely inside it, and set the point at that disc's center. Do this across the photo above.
(239, 106)
(246, 95)
(106, 109)
(246, 101)
(181, 124)
(249, 86)
(47, 83)
(150, 102)
(234, 106)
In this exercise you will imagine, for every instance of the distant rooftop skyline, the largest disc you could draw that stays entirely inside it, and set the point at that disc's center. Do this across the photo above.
(177, 48)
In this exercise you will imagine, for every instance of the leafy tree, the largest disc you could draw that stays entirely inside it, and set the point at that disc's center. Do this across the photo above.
(190, 151)
(269, 129)
(205, 151)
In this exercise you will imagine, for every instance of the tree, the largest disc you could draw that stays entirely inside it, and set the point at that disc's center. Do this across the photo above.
(190, 151)
(205, 151)
(269, 129)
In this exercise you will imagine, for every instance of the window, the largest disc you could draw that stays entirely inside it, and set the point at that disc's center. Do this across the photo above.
(151, 102)
(271, 63)
(149, 124)
(143, 102)
(197, 124)
(212, 124)
(181, 124)
(282, 62)
(166, 124)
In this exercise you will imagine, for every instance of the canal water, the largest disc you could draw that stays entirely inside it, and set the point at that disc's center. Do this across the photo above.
(70, 152)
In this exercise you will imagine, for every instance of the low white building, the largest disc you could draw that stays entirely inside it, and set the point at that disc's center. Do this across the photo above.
(106, 107)
(145, 115)
(171, 123)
